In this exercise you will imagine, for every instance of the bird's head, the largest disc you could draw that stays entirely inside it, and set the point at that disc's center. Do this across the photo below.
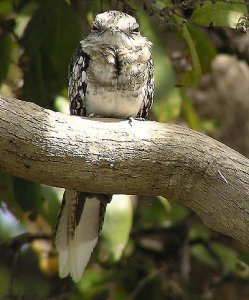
(116, 29)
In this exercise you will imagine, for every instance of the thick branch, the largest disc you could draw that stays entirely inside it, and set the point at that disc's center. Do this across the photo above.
(111, 156)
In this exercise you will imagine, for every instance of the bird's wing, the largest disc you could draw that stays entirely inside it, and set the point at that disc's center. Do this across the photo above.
(148, 99)
(77, 76)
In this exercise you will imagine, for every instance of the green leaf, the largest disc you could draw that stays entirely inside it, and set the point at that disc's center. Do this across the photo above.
(168, 106)
(162, 4)
(49, 41)
(199, 231)
(93, 282)
(7, 194)
(200, 253)
(154, 214)
(205, 49)
(168, 102)
(5, 7)
(190, 113)
(202, 53)
(219, 14)
(244, 256)
(52, 199)
(116, 229)
(61, 104)
(28, 195)
(176, 213)
(193, 76)
(228, 256)
(160, 212)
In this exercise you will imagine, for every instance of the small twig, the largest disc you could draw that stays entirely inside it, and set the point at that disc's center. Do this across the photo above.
(15, 245)
(18, 241)
(12, 273)
(185, 265)
(145, 280)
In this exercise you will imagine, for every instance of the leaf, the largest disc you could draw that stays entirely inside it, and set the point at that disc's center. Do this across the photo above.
(200, 253)
(201, 52)
(205, 49)
(168, 107)
(160, 212)
(52, 199)
(93, 282)
(168, 103)
(219, 14)
(9, 225)
(7, 194)
(61, 104)
(49, 41)
(176, 213)
(154, 212)
(28, 196)
(190, 113)
(5, 8)
(244, 256)
(193, 76)
(199, 231)
(116, 229)
(228, 256)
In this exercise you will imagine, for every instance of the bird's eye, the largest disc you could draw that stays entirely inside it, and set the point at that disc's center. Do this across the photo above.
(136, 29)
(96, 28)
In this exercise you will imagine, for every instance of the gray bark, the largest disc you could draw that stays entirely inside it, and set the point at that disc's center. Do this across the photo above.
(144, 158)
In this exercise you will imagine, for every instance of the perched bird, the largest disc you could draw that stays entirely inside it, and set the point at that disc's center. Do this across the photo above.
(110, 75)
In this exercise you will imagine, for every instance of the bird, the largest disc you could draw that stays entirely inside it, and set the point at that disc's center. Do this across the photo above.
(111, 75)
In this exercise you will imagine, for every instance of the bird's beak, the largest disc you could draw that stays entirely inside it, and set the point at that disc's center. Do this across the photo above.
(114, 30)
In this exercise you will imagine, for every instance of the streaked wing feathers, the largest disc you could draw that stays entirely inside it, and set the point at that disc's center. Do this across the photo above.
(78, 82)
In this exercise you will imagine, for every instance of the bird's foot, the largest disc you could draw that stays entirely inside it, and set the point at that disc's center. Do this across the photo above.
(131, 119)
(93, 115)
(139, 119)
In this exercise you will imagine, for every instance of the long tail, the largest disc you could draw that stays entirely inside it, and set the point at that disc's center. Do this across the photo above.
(79, 222)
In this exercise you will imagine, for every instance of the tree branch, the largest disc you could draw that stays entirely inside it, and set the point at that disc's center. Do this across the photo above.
(111, 156)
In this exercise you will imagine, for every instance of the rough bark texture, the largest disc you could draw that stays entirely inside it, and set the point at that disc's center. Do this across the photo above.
(111, 156)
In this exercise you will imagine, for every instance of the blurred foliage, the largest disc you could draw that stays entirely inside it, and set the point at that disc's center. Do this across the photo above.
(219, 13)
(151, 248)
